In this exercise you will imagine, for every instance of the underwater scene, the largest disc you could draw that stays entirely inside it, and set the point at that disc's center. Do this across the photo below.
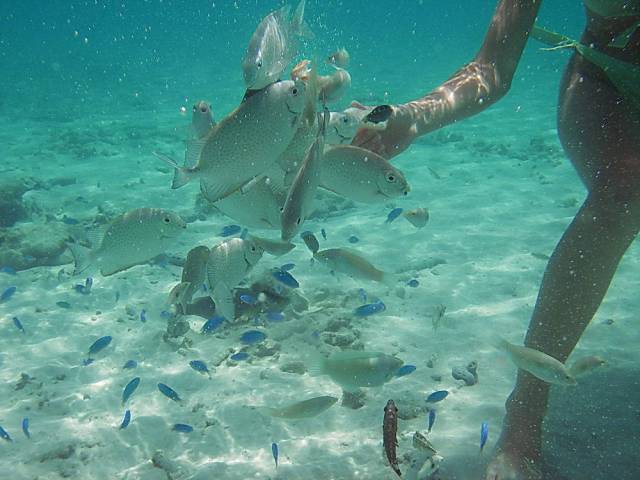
(331, 239)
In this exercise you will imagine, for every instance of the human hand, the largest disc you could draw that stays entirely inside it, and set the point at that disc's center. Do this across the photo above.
(387, 130)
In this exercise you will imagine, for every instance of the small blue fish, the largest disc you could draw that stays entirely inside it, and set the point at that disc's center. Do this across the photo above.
(69, 220)
(5, 435)
(126, 420)
(230, 230)
(484, 434)
(211, 325)
(285, 278)
(393, 214)
(8, 270)
(18, 324)
(252, 336)
(8, 293)
(362, 295)
(369, 309)
(353, 239)
(287, 267)
(275, 316)
(182, 428)
(25, 427)
(63, 304)
(165, 314)
(248, 299)
(437, 396)
(169, 392)
(85, 288)
(432, 419)
(199, 366)
(143, 315)
(413, 283)
(129, 389)
(274, 452)
(323, 233)
(99, 344)
(240, 356)
(130, 364)
(405, 370)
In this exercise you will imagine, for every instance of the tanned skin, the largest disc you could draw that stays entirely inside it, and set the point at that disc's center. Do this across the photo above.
(600, 132)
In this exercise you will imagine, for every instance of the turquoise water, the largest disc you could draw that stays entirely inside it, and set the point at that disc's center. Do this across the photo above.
(90, 89)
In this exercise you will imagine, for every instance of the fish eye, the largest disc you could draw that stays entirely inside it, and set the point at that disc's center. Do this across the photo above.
(345, 120)
(166, 220)
(294, 91)
(259, 64)
(253, 248)
(391, 177)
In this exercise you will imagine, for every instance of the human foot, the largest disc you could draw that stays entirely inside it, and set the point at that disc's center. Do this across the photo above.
(512, 465)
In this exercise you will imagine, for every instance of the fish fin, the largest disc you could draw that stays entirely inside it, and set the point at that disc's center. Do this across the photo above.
(298, 24)
(266, 411)
(213, 191)
(223, 297)
(82, 257)
(316, 365)
(500, 343)
(194, 149)
(181, 175)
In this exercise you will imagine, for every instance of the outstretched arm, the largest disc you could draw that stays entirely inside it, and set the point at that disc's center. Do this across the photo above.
(470, 90)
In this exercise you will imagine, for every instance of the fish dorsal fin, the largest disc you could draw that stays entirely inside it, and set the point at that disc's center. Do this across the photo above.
(194, 149)
(298, 25)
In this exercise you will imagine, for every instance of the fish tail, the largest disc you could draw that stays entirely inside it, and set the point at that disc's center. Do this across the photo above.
(82, 257)
(181, 175)
(316, 365)
(298, 25)
(500, 343)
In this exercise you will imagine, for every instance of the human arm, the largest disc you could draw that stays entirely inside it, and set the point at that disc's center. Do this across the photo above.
(474, 87)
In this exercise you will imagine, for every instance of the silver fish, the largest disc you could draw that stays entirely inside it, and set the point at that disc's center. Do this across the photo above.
(272, 46)
(130, 239)
(585, 365)
(351, 263)
(538, 363)
(245, 143)
(276, 248)
(339, 58)
(304, 409)
(418, 217)
(352, 369)
(256, 204)
(299, 203)
(344, 125)
(291, 159)
(202, 119)
(332, 87)
(193, 276)
(228, 264)
(361, 175)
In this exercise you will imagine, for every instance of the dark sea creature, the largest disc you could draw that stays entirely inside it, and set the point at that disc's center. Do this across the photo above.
(182, 428)
(25, 427)
(389, 434)
(126, 420)
(129, 389)
(169, 392)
